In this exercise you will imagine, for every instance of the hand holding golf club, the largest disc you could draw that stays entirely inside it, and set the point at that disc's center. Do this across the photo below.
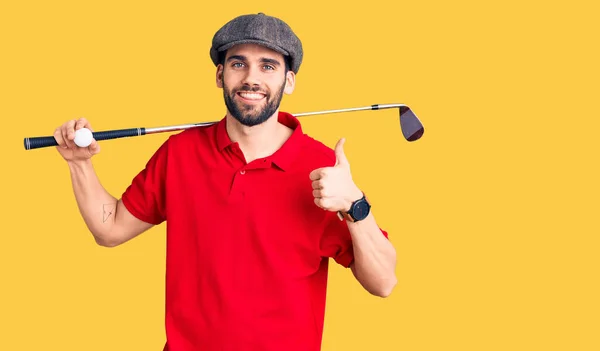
(333, 187)
(75, 140)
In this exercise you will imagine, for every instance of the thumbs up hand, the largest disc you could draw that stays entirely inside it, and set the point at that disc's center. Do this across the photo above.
(333, 187)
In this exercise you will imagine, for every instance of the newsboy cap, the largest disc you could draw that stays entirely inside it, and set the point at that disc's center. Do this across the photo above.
(261, 29)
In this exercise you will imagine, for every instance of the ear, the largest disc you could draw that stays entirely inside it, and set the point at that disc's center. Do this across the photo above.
(290, 82)
(219, 76)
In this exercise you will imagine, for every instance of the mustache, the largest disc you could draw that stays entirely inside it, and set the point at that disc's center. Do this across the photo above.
(251, 89)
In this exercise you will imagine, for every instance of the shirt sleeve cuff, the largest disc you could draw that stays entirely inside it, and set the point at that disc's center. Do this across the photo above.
(345, 259)
(136, 213)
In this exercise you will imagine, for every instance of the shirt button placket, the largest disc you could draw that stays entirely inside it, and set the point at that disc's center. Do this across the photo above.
(237, 187)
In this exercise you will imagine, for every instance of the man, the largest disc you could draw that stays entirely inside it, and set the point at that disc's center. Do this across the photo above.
(254, 208)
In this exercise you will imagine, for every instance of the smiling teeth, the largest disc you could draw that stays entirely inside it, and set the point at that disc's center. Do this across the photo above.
(251, 96)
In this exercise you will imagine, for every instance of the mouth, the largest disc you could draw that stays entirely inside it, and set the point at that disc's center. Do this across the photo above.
(251, 97)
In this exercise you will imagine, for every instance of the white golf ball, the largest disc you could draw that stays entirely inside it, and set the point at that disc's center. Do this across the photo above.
(83, 137)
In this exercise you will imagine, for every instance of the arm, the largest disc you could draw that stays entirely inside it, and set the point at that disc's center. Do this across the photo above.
(374, 262)
(107, 218)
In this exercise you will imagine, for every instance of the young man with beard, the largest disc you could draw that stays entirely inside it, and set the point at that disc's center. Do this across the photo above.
(254, 208)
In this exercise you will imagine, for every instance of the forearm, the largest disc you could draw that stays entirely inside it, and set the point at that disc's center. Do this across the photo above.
(374, 257)
(97, 206)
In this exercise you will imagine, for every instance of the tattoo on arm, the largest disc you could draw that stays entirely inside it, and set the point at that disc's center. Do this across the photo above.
(107, 211)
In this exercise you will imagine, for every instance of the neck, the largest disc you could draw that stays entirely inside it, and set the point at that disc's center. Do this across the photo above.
(260, 140)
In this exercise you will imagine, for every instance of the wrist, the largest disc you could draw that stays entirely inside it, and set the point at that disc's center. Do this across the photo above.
(353, 196)
(78, 165)
(358, 210)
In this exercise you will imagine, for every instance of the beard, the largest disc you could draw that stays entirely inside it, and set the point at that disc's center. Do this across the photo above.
(251, 115)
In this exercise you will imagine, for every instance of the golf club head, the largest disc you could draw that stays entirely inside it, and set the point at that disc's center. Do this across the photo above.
(412, 128)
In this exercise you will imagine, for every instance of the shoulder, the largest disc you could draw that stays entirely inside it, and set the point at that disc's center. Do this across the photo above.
(195, 136)
(186, 143)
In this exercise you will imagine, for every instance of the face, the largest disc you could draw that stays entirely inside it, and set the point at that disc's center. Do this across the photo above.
(253, 80)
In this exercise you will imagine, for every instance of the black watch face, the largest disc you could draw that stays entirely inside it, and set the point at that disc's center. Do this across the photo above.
(361, 210)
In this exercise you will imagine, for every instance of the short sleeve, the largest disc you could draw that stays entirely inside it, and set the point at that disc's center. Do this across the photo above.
(145, 196)
(336, 241)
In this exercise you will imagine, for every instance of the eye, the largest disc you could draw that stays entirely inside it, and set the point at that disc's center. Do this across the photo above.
(268, 68)
(237, 64)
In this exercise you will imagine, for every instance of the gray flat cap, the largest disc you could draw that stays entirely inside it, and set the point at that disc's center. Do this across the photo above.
(261, 29)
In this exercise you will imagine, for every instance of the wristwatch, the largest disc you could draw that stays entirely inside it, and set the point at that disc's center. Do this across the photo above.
(358, 211)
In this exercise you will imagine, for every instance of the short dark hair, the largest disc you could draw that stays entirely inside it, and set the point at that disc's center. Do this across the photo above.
(288, 65)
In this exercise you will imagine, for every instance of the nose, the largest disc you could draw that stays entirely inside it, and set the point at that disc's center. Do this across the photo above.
(252, 77)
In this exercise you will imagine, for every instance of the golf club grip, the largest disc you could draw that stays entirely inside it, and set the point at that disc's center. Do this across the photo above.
(46, 141)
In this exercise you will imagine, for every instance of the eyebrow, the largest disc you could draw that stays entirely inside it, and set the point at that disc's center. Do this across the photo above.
(236, 57)
(271, 61)
(262, 59)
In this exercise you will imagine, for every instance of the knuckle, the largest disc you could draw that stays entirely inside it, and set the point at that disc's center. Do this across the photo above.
(81, 123)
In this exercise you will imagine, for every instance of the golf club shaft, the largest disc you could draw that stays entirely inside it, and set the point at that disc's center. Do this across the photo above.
(372, 107)
(46, 141)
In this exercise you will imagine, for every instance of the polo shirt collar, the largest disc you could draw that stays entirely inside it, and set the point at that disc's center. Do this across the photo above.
(286, 154)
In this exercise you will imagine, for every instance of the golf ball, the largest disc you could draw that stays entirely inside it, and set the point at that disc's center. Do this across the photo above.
(83, 137)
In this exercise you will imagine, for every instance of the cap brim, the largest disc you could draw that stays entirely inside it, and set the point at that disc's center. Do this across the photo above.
(252, 41)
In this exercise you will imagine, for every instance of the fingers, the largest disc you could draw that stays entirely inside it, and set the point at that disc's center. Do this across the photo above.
(320, 192)
(318, 179)
(65, 134)
(315, 175)
(319, 173)
(322, 202)
(83, 123)
(59, 138)
(94, 147)
(68, 133)
(317, 184)
(70, 130)
(65, 138)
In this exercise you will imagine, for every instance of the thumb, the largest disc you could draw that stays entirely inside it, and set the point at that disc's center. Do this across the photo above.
(340, 157)
(94, 147)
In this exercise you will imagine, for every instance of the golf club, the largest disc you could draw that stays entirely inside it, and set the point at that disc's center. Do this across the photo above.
(412, 128)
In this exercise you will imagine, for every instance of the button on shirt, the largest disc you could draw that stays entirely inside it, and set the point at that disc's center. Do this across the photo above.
(247, 248)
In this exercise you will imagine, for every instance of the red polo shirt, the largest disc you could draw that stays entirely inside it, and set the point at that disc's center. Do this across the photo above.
(247, 248)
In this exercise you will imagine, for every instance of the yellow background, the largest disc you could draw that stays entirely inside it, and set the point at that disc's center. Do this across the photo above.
(494, 213)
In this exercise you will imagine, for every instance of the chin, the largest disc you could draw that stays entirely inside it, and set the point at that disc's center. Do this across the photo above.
(252, 120)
